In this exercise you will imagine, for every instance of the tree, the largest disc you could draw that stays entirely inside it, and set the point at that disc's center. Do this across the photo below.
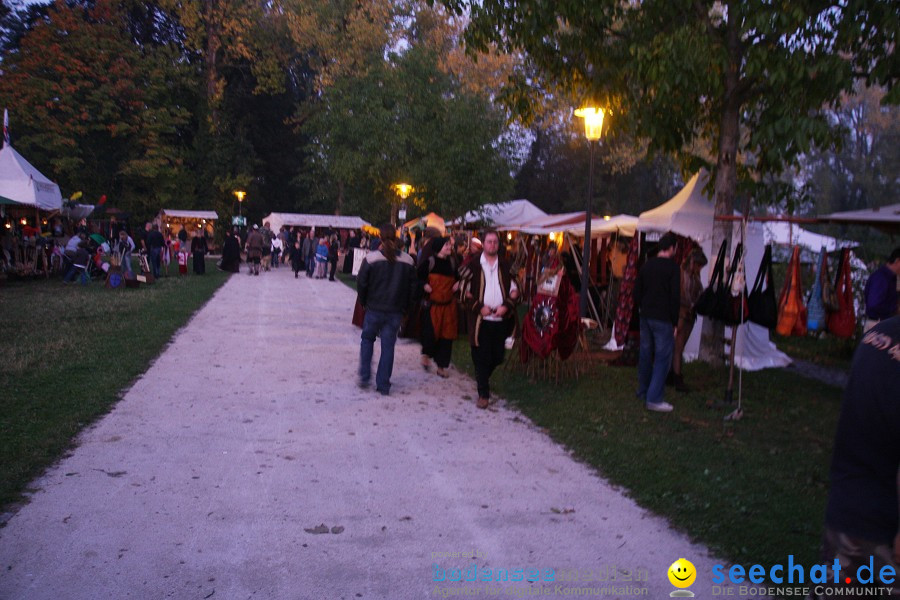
(751, 77)
(406, 120)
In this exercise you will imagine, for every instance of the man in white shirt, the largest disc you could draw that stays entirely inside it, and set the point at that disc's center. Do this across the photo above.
(491, 301)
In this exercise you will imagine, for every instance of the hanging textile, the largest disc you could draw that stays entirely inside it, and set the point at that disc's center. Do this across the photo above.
(552, 322)
(842, 323)
(815, 304)
(626, 292)
(791, 311)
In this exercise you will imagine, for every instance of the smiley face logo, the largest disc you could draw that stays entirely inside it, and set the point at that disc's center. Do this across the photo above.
(682, 573)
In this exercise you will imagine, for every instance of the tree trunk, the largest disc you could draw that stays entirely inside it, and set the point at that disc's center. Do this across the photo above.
(713, 334)
(211, 60)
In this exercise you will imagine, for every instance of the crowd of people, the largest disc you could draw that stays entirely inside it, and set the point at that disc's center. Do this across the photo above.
(448, 285)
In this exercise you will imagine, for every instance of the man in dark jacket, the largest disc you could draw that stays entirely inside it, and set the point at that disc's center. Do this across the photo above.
(657, 292)
(491, 295)
(386, 285)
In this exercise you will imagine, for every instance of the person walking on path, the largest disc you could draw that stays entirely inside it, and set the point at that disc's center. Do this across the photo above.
(321, 258)
(657, 292)
(861, 522)
(386, 285)
(254, 250)
(297, 263)
(231, 252)
(309, 253)
(334, 245)
(881, 291)
(491, 302)
(440, 324)
(199, 248)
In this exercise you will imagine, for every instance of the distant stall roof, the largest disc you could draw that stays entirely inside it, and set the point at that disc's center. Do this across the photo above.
(277, 220)
(209, 215)
(883, 217)
(547, 223)
(503, 214)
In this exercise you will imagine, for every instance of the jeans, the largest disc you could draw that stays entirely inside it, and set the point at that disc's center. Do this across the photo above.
(155, 255)
(385, 325)
(657, 344)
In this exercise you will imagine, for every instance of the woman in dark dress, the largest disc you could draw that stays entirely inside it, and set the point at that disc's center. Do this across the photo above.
(438, 276)
(231, 253)
(199, 248)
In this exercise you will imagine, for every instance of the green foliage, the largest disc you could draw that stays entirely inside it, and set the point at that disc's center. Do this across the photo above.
(100, 113)
(405, 120)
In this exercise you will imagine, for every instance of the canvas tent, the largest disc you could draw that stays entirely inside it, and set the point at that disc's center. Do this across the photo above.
(883, 217)
(25, 185)
(503, 214)
(547, 224)
(430, 220)
(691, 213)
(626, 225)
(174, 221)
(277, 220)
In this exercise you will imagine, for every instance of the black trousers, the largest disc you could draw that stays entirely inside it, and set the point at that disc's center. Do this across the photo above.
(489, 353)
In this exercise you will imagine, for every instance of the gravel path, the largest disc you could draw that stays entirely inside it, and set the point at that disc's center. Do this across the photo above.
(247, 437)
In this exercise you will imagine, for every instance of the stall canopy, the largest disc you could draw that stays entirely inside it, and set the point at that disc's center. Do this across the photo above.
(25, 185)
(76, 211)
(882, 217)
(547, 224)
(278, 220)
(690, 213)
(209, 215)
(503, 214)
(625, 225)
(430, 220)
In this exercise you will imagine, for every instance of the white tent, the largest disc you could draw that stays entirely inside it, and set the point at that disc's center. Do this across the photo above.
(277, 220)
(22, 183)
(503, 214)
(547, 224)
(691, 213)
(626, 225)
(209, 215)
(884, 217)
(688, 213)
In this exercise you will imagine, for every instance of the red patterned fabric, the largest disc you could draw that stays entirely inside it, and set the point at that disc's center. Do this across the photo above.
(842, 323)
(552, 324)
(626, 292)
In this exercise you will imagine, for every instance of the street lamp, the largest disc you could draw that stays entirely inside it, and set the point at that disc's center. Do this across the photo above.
(240, 196)
(593, 125)
(403, 190)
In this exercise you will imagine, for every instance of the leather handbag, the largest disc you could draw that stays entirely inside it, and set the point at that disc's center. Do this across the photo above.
(761, 302)
(708, 303)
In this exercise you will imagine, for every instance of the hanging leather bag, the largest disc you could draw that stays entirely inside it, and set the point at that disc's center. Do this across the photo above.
(762, 302)
(709, 301)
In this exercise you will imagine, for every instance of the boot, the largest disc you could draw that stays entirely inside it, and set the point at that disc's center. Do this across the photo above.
(679, 384)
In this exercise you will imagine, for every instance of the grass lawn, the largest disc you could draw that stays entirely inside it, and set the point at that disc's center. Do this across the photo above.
(752, 490)
(69, 351)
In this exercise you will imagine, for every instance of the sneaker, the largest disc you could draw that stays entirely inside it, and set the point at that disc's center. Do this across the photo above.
(659, 407)
(362, 383)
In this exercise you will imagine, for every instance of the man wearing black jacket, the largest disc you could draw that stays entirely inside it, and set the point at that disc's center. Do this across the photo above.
(386, 285)
(657, 292)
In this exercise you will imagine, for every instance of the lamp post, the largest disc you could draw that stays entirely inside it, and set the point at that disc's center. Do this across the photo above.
(403, 190)
(593, 125)
(240, 196)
